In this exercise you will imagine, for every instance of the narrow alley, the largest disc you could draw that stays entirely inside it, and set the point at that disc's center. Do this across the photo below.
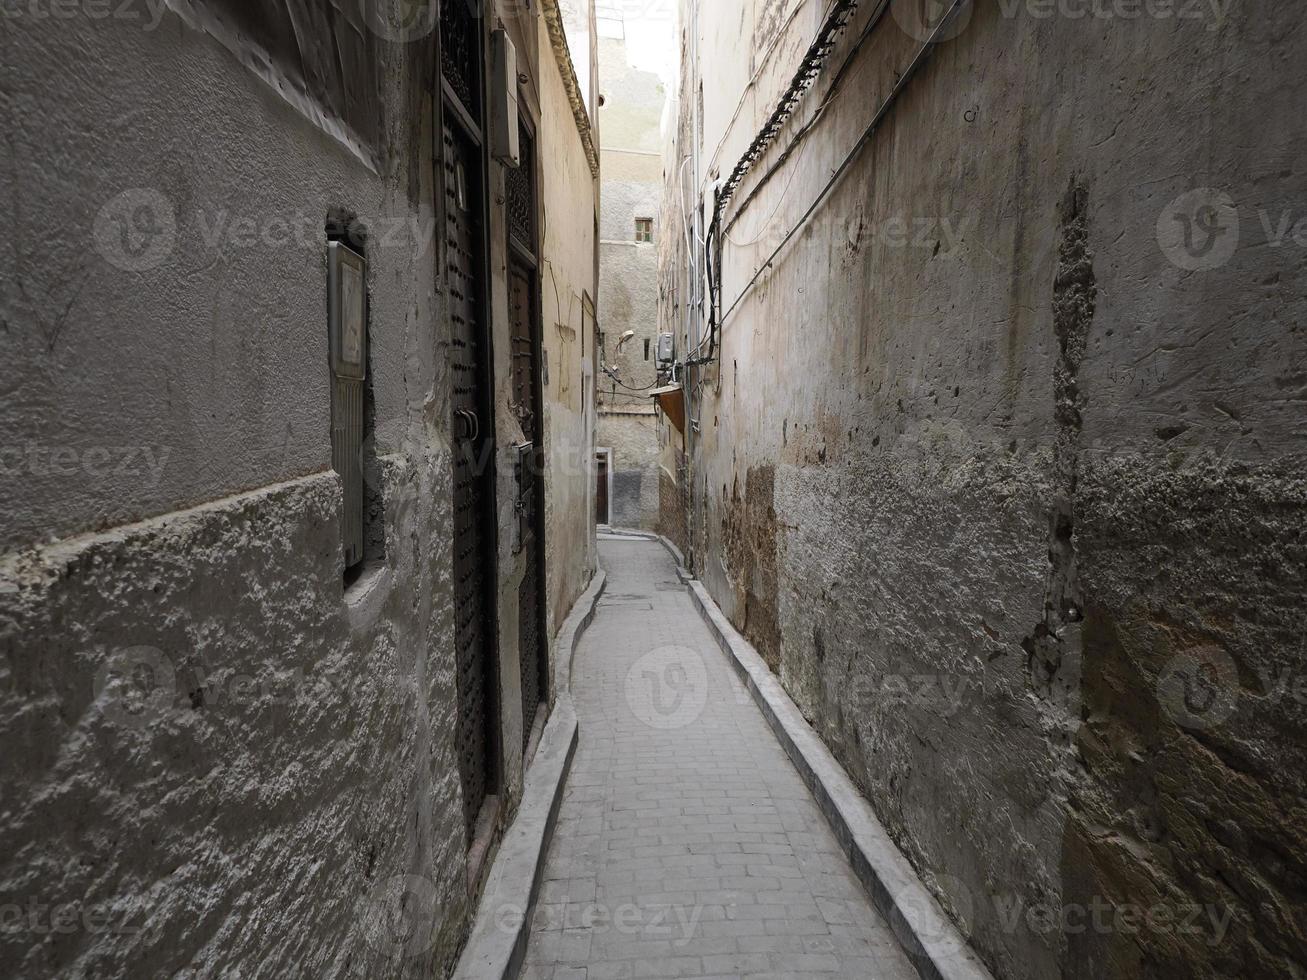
(623, 489)
(687, 845)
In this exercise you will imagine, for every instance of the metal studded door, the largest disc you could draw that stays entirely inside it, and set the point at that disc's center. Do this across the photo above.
(473, 452)
(525, 332)
(521, 315)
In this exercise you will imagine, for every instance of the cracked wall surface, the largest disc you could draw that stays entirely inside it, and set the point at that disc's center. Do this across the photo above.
(1030, 476)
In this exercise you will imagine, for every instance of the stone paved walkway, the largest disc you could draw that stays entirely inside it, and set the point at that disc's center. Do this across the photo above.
(687, 845)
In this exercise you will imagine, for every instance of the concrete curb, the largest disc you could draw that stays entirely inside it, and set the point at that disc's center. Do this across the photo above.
(576, 623)
(648, 536)
(928, 936)
(673, 550)
(497, 946)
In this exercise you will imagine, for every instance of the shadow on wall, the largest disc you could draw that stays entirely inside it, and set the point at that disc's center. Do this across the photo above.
(625, 501)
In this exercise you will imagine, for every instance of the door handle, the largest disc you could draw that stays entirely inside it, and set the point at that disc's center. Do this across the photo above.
(470, 430)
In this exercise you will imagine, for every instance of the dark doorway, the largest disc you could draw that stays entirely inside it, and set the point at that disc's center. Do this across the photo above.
(524, 324)
(601, 488)
(466, 268)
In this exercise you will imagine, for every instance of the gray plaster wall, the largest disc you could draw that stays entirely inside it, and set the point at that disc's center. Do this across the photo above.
(219, 761)
(633, 439)
(990, 486)
(569, 239)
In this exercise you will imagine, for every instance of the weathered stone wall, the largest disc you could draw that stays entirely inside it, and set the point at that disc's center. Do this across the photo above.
(218, 759)
(673, 505)
(218, 764)
(1005, 479)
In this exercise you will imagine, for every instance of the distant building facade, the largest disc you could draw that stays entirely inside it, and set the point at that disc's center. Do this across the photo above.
(630, 199)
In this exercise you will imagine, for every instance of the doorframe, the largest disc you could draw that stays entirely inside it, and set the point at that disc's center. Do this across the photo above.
(529, 259)
(607, 451)
(447, 106)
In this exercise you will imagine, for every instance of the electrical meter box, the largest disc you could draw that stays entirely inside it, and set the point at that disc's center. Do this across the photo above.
(505, 138)
(347, 307)
(347, 317)
(666, 348)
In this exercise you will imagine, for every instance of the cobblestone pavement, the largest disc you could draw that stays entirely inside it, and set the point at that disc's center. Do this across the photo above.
(687, 845)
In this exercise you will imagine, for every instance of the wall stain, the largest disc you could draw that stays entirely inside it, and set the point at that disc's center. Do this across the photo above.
(749, 542)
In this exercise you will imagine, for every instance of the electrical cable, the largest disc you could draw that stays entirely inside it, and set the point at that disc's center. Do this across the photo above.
(766, 222)
(762, 65)
(628, 387)
(714, 295)
(805, 76)
(690, 237)
(612, 374)
(920, 58)
(833, 90)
